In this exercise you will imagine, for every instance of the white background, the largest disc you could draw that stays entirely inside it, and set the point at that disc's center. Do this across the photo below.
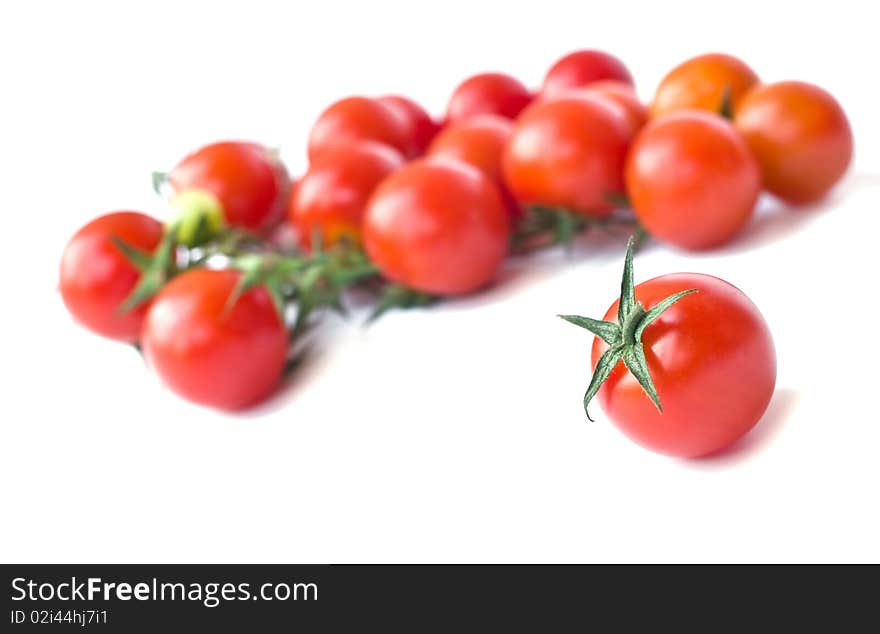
(447, 435)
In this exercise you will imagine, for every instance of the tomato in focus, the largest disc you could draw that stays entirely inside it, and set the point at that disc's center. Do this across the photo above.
(210, 351)
(704, 83)
(96, 278)
(247, 182)
(568, 152)
(359, 119)
(800, 136)
(488, 93)
(692, 180)
(478, 141)
(332, 196)
(582, 68)
(438, 227)
(713, 363)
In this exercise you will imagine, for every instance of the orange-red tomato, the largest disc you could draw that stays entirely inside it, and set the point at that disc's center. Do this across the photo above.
(359, 119)
(212, 352)
(488, 93)
(438, 227)
(96, 278)
(421, 127)
(478, 141)
(800, 136)
(712, 361)
(568, 152)
(248, 182)
(624, 96)
(702, 83)
(332, 196)
(692, 180)
(582, 68)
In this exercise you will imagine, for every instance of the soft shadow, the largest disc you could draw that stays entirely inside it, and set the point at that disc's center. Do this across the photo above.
(781, 406)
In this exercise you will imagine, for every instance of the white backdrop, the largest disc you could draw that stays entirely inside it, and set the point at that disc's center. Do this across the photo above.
(444, 435)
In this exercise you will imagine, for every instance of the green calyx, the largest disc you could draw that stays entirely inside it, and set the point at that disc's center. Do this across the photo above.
(544, 226)
(725, 108)
(155, 268)
(624, 338)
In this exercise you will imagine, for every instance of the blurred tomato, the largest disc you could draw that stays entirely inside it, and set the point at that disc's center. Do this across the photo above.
(582, 68)
(421, 127)
(359, 119)
(488, 93)
(704, 82)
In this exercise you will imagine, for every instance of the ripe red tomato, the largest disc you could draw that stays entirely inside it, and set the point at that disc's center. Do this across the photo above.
(703, 82)
(568, 152)
(332, 196)
(249, 184)
(478, 141)
(624, 96)
(96, 278)
(800, 136)
(437, 227)
(692, 180)
(712, 361)
(212, 352)
(359, 119)
(581, 68)
(421, 127)
(488, 93)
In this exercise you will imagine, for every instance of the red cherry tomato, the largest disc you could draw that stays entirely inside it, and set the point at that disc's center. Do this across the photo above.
(478, 141)
(582, 68)
(568, 152)
(703, 83)
(712, 361)
(437, 227)
(359, 119)
(692, 180)
(800, 136)
(212, 352)
(96, 278)
(488, 93)
(421, 128)
(624, 96)
(332, 196)
(247, 181)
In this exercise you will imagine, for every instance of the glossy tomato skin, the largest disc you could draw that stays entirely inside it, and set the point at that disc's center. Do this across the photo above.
(624, 96)
(712, 360)
(249, 183)
(800, 136)
(478, 141)
(96, 278)
(582, 68)
(208, 352)
(359, 119)
(332, 196)
(421, 127)
(568, 152)
(700, 83)
(437, 226)
(488, 93)
(692, 180)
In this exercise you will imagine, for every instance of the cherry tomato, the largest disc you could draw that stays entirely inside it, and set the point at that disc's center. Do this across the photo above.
(712, 361)
(332, 196)
(421, 128)
(800, 136)
(249, 185)
(437, 227)
(488, 93)
(96, 278)
(624, 96)
(478, 141)
(568, 152)
(212, 352)
(703, 82)
(582, 68)
(359, 119)
(692, 180)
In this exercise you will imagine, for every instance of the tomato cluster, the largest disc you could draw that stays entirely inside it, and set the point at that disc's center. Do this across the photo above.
(411, 207)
